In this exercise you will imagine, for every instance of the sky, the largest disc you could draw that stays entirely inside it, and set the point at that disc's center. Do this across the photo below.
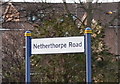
(60, 1)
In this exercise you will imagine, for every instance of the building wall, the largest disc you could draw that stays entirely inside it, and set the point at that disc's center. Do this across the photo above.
(111, 38)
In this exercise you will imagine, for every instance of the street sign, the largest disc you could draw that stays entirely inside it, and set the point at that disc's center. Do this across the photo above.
(57, 45)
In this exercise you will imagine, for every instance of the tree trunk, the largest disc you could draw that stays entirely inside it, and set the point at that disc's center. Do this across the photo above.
(89, 14)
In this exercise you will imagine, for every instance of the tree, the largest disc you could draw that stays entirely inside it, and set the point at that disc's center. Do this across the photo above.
(59, 67)
(102, 59)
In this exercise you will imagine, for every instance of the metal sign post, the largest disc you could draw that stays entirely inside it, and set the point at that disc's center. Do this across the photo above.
(27, 56)
(88, 32)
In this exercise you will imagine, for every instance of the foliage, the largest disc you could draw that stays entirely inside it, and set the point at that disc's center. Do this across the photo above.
(104, 63)
(71, 67)
(58, 67)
